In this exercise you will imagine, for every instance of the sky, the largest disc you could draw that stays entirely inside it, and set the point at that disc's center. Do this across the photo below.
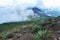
(9, 8)
(51, 3)
(45, 3)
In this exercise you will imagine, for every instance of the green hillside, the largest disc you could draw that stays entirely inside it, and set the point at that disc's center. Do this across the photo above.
(42, 29)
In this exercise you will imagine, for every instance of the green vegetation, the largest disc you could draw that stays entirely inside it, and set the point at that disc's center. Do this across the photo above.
(34, 18)
(40, 32)
(52, 24)
(7, 29)
(37, 23)
(6, 26)
(14, 27)
(37, 28)
(8, 35)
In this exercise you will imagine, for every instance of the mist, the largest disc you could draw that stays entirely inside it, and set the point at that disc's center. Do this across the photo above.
(16, 10)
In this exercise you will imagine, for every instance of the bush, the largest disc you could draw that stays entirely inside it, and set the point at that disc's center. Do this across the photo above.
(42, 34)
(37, 28)
(52, 24)
(8, 35)
(37, 37)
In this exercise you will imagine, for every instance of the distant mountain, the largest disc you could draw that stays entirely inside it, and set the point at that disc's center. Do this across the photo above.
(54, 13)
(40, 12)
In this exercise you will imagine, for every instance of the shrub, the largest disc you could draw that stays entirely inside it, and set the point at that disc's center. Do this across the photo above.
(8, 35)
(37, 37)
(42, 34)
(52, 24)
(37, 28)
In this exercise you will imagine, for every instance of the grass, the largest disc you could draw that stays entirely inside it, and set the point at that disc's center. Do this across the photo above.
(14, 27)
(5, 26)
(38, 29)
(40, 32)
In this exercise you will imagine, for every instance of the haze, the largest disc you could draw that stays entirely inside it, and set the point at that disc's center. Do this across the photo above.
(14, 10)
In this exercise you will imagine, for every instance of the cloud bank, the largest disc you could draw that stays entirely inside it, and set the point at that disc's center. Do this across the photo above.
(16, 10)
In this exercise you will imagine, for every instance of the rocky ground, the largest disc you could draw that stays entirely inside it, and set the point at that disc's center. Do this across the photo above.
(26, 33)
(55, 28)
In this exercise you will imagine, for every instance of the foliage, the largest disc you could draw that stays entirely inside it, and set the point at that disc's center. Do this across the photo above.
(37, 28)
(6, 26)
(52, 24)
(8, 35)
(42, 34)
(39, 25)
(33, 18)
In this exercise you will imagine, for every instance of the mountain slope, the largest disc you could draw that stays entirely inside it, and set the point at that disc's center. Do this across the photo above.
(40, 12)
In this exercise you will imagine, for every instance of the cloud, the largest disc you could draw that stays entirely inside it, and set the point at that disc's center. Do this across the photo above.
(6, 2)
(11, 14)
(51, 3)
(15, 10)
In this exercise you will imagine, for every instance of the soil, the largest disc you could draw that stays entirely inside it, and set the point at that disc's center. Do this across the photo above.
(24, 34)
(54, 28)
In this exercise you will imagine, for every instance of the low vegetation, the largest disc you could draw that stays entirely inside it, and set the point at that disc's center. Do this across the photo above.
(40, 32)
(41, 29)
(8, 35)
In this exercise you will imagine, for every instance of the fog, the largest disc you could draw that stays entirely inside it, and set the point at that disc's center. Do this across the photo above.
(16, 10)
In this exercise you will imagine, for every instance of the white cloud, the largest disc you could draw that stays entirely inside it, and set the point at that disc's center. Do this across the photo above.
(26, 1)
(6, 2)
(45, 3)
(16, 2)
(21, 6)
(51, 3)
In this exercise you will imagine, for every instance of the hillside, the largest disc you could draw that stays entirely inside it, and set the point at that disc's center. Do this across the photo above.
(48, 29)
